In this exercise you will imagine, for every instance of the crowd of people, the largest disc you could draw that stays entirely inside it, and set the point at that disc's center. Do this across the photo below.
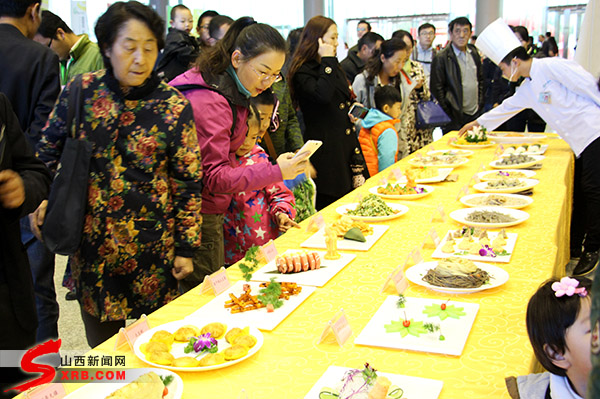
(194, 140)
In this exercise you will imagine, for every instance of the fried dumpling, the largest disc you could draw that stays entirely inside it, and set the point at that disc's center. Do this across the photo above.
(154, 347)
(474, 249)
(163, 358)
(465, 244)
(186, 361)
(247, 340)
(216, 330)
(147, 386)
(211, 359)
(234, 333)
(184, 333)
(235, 352)
(163, 336)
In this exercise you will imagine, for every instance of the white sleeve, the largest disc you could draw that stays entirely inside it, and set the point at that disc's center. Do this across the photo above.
(575, 78)
(503, 112)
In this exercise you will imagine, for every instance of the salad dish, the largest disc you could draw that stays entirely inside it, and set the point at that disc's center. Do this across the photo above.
(372, 209)
(506, 185)
(489, 217)
(514, 201)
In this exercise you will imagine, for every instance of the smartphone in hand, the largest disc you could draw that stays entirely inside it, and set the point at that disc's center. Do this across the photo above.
(358, 111)
(309, 147)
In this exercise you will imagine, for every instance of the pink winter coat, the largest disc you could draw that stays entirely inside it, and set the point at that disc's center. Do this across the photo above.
(250, 219)
(213, 117)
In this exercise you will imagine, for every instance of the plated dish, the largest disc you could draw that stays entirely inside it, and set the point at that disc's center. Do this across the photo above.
(489, 217)
(516, 137)
(401, 191)
(372, 209)
(438, 160)
(421, 274)
(165, 346)
(426, 174)
(507, 185)
(516, 161)
(477, 245)
(451, 152)
(505, 173)
(529, 149)
(514, 201)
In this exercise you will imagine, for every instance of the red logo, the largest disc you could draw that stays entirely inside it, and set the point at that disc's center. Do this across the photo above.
(27, 364)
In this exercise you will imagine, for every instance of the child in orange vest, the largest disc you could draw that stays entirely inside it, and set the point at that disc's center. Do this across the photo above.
(378, 136)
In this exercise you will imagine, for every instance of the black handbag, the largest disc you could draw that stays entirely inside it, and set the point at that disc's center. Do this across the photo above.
(430, 114)
(63, 226)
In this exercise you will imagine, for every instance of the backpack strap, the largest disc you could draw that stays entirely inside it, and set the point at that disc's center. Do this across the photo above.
(193, 86)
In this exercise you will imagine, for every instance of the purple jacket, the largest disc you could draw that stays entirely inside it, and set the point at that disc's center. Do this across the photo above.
(218, 145)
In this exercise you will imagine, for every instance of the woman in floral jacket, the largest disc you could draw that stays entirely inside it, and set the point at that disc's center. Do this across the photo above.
(142, 221)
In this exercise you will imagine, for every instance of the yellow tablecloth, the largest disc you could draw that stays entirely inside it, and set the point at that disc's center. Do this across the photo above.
(291, 361)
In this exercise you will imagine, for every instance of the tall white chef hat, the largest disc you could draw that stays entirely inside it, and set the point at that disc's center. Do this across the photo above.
(497, 40)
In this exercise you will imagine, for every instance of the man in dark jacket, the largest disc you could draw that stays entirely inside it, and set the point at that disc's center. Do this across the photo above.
(355, 62)
(24, 183)
(457, 77)
(30, 80)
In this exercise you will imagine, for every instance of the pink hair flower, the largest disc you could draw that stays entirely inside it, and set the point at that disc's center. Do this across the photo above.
(568, 286)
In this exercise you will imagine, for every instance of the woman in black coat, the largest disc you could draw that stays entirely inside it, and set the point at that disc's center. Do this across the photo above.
(319, 86)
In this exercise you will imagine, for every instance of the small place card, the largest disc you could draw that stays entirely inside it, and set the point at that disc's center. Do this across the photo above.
(462, 192)
(340, 327)
(358, 197)
(481, 167)
(383, 181)
(399, 280)
(419, 155)
(452, 140)
(439, 211)
(431, 148)
(434, 236)
(49, 391)
(416, 256)
(268, 251)
(316, 222)
(128, 335)
(474, 180)
(218, 282)
(397, 174)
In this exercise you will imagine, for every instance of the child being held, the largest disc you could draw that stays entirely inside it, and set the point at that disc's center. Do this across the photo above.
(378, 136)
(255, 217)
(181, 49)
(558, 325)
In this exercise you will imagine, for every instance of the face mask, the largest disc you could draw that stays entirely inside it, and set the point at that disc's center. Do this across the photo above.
(513, 70)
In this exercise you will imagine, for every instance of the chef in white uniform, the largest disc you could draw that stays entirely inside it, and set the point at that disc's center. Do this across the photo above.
(567, 97)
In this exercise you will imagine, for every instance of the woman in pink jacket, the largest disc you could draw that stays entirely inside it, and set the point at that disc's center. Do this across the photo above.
(243, 64)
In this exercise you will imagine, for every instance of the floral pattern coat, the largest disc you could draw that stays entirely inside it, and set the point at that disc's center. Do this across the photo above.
(144, 192)
(417, 138)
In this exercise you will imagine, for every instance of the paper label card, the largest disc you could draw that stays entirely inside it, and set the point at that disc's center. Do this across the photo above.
(439, 211)
(218, 282)
(129, 334)
(383, 181)
(340, 327)
(358, 197)
(431, 148)
(49, 391)
(462, 192)
(316, 222)
(434, 236)
(416, 256)
(474, 180)
(400, 281)
(481, 167)
(269, 251)
(398, 174)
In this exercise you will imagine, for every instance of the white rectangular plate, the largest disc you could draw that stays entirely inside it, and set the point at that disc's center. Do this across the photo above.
(317, 240)
(511, 241)
(317, 278)
(413, 387)
(260, 318)
(455, 331)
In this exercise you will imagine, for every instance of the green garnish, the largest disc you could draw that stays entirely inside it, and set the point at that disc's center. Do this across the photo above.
(369, 374)
(401, 301)
(270, 294)
(414, 328)
(371, 206)
(166, 380)
(250, 262)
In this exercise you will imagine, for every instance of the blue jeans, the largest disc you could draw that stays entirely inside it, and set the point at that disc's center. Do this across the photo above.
(41, 262)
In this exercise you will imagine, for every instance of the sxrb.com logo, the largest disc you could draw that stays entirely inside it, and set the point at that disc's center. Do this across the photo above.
(48, 373)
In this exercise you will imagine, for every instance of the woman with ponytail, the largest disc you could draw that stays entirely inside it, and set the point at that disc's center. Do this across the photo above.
(243, 64)
(319, 86)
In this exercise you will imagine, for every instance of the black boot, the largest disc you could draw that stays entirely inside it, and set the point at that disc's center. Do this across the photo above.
(586, 264)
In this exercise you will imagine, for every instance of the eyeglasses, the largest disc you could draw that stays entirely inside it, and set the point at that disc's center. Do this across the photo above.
(266, 77)
(50, 42)
(427, 34)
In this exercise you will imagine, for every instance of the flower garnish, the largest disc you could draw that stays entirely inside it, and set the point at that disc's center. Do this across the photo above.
(487, 251)
(568, 286)
(504, 173)
(202, 343)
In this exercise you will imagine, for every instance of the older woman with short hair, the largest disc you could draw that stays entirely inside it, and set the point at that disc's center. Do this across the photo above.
(142, 222)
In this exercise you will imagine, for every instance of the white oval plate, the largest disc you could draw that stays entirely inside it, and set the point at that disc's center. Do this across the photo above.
(528, 183)
(513, 150)
(428, 190)
(501, 137)
(458, 153)
(402, 209)
(460, 215)
(496, 165)
(101, 391)
(177, 349)
(465, 200)
(417, 161)
(491, 174)
(498, 276)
